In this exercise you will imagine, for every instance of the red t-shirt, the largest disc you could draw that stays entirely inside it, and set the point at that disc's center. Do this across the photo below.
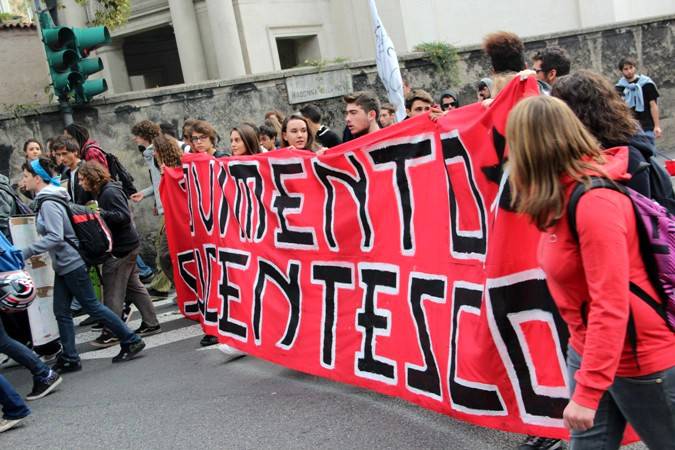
(597, 271)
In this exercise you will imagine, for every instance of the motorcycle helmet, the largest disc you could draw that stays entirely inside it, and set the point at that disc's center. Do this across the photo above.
(17, 291)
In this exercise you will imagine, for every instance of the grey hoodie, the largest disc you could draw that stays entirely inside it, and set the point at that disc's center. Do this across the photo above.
(155, 178)
(53, 225)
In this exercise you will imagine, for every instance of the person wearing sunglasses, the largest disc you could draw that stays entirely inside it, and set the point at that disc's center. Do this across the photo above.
(449, 100)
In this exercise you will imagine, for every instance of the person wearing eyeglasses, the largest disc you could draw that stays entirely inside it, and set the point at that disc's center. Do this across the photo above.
(449, 100)
(203, 139)
(550, 64)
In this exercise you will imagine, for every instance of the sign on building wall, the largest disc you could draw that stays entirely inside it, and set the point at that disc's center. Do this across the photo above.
(317, 86)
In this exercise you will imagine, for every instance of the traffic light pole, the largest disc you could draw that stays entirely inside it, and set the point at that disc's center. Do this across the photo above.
(66, 113)
(67, 50)
(64, 107)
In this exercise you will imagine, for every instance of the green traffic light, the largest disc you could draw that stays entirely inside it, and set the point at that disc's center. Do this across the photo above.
(91, 38)
(89, 65)
(66, 81)
(90, 88)
(67, 50)
(56, 38)
(61, 60)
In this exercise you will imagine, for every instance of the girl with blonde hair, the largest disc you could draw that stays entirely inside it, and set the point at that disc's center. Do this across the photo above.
(592, 279)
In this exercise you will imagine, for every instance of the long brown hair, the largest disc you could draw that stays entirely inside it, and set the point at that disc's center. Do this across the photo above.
(249, 137)
(546, 141)
(167, 151)
(598, 105)
(95, 174)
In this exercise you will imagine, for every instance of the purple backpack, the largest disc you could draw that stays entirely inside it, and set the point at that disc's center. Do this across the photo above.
(656, 231)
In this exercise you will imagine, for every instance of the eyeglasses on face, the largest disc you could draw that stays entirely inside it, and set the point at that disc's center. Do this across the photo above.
(195, 138)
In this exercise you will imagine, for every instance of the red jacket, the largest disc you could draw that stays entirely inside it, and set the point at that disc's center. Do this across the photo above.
(91, 151)
(596, 271)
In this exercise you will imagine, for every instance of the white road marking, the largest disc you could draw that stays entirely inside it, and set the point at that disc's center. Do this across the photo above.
(164, 338)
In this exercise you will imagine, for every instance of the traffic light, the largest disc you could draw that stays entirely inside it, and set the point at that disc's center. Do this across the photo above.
(67, 52)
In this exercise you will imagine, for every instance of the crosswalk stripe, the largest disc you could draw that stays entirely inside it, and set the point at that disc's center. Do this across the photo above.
(167, 337)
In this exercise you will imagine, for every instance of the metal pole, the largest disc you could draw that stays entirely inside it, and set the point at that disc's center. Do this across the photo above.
(66, 113)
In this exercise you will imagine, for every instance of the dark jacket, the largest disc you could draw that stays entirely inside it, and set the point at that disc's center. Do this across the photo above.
(115, 211)
(77, 194)
(7, 205)
(647, 176)
(326, 137)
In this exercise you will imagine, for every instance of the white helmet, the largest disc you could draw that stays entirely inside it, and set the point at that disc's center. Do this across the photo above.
(16, 290)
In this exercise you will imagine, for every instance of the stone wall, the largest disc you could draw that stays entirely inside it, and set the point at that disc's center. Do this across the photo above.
(224, 103)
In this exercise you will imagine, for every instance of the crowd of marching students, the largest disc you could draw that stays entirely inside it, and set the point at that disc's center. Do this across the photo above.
(582, 128)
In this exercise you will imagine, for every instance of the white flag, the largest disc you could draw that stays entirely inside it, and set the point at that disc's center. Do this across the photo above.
(387, 64)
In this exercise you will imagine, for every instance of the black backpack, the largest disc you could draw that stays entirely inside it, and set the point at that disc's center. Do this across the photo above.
(91, 231)
(117, 171)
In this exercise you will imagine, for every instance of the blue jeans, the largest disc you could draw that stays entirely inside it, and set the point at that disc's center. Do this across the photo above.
(651, 136)
(143, 269)
(22, 354)
(77, 284)
(13, 406)
(647, 403)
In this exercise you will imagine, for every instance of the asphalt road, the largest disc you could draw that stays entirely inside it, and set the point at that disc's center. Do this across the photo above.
(177, 395)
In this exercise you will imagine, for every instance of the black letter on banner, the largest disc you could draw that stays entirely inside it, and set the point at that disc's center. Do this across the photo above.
(282, 201)
(242, 172)
(359, 190)
(426, 379)
(465, 244)
(401, 156)
(185, 258)
(207, 220)
(369, 318)
(290, 286)
(223, 212)
(512, 301)
(205, 271)
(229, 291)
(188, 190)
(468, 396)
(332, 276)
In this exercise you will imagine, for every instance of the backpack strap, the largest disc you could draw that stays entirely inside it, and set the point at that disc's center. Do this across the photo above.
(579, 190)
(69, 213)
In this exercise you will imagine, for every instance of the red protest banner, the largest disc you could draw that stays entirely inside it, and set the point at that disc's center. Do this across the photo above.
(393, 262)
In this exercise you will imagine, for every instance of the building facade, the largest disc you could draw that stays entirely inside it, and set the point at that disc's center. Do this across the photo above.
(168, 42)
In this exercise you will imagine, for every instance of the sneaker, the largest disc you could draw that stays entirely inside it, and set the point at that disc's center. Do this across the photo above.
(540, 443)
(64, 366)
(88, 322)
(106, 339)
(129, 351)
(126, 313)
(6, 424)
(156, 293)
(77, 312)
(6, 361)
(44, 386)
(208, 340)
(97, 326)
(147, 279)
(48, 359)
(145, 330)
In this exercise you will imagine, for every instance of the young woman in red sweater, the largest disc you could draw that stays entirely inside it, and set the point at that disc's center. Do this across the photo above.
(611, 383)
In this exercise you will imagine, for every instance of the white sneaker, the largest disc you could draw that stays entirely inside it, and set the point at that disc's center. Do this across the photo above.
(6, 361)
(6, 424)
(230, 352)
